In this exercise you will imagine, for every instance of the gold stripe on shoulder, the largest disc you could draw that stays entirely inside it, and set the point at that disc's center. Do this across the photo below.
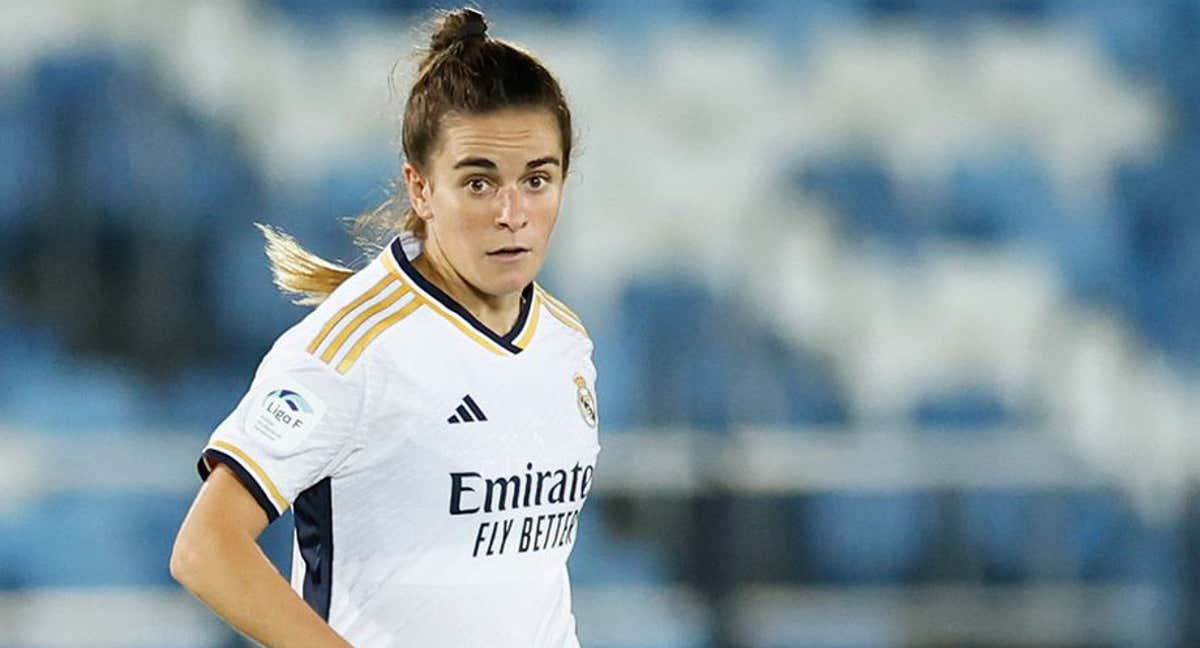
(562, 316)
(374, 332)
(347, 309)
(357, 322)
(280, 502)
(535, 310)
(563, 307)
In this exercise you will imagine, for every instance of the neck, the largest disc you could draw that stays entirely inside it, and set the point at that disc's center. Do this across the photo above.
(497, 312)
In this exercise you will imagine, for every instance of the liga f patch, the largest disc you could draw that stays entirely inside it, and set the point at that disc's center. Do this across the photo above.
(285, 414)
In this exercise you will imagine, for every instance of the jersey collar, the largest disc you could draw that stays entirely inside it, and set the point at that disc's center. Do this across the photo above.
(510, 343)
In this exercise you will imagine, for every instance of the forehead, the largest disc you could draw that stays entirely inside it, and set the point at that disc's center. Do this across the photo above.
(516, 135)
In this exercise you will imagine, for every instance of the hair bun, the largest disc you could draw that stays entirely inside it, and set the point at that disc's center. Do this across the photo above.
(456, 26)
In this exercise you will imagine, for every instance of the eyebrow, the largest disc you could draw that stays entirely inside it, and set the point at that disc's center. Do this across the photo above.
(475, 162)
(485, 163)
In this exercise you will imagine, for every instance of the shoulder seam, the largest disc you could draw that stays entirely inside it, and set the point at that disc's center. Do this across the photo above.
(561, 312)
(550, 298)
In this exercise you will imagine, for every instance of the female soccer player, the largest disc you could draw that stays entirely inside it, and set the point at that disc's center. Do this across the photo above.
(432, 422)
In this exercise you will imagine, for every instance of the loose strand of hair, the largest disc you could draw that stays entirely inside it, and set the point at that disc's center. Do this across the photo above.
(300, 272)
(371, 230)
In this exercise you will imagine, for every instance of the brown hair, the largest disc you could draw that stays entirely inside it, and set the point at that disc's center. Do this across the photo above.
(463, 71)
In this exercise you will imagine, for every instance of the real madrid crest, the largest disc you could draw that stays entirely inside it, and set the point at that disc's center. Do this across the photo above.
(587, 404)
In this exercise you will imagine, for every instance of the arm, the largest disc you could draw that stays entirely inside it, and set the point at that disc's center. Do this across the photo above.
(217, 559)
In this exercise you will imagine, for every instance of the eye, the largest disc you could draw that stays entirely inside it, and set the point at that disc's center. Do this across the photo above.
(537, 182)
(477, 185)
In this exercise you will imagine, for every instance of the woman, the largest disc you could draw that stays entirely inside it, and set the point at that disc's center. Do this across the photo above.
(432, 422)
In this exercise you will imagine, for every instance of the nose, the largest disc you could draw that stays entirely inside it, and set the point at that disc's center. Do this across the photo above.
(512, 210)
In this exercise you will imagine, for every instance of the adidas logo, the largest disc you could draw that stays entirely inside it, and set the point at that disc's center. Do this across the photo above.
(467, 412)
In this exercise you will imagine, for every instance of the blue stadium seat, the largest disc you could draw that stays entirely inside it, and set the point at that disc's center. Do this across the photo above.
(630, 21)
(1091, 535)
(143, 161)
(1180, 22)
(1129, 32)
(249, 310)
(680, 335)
(861, 191)
(57, 394)
(218, 181)
(199, 398)
(996, 199)
(776, 383)
(1094, 255)
(1109, 541)
(90, 88)
(106, 539)
(791, 27)
(678, 356)
(318, 14)
(967, 408)
(40, 349)
(602, 555)
(13, 575)
(1008, 197)
(864, 537)
(26, 170)
(619, 389)
(953, 15)
(99, 539)
(1159, 202)
(343, 192)
(998, 529)
(61, 83)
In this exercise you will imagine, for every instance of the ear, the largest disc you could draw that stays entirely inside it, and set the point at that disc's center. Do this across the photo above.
(418, 191)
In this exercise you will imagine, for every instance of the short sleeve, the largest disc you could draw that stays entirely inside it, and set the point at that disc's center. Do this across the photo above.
(297, 423)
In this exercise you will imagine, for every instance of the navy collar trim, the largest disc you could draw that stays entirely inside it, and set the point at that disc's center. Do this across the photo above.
(505, 341)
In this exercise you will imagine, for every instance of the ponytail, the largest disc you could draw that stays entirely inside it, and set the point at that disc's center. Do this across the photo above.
(300, 272)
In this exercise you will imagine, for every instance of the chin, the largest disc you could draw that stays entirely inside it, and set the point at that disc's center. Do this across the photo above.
(505, 281)
(509, 283)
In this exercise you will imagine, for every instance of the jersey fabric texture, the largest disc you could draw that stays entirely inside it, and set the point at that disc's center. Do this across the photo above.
(436, 469)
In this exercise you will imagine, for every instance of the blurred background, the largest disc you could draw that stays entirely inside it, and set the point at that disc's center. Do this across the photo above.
(894, 302)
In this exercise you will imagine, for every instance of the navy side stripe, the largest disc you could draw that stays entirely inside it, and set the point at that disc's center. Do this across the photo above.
(314, 534)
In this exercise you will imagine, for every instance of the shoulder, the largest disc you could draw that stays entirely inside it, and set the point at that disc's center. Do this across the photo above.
(343, 329)
(561, 317)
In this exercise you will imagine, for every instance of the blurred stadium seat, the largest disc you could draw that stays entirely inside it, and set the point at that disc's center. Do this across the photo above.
(865, 538)
(85, 540)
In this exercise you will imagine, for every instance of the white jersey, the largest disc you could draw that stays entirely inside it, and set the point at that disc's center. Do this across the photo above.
(436, 469)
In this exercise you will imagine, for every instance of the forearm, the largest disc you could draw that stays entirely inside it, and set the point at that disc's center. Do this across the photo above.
(234, 579)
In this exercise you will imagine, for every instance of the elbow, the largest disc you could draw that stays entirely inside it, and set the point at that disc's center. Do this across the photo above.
(186, 562)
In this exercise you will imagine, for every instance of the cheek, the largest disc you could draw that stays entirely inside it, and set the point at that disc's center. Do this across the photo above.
(544, 210)
(457, 216)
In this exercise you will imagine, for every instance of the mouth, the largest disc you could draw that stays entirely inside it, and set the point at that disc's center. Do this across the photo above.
(509, 253)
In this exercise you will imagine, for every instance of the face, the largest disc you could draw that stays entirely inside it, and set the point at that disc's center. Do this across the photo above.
(490, 196)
